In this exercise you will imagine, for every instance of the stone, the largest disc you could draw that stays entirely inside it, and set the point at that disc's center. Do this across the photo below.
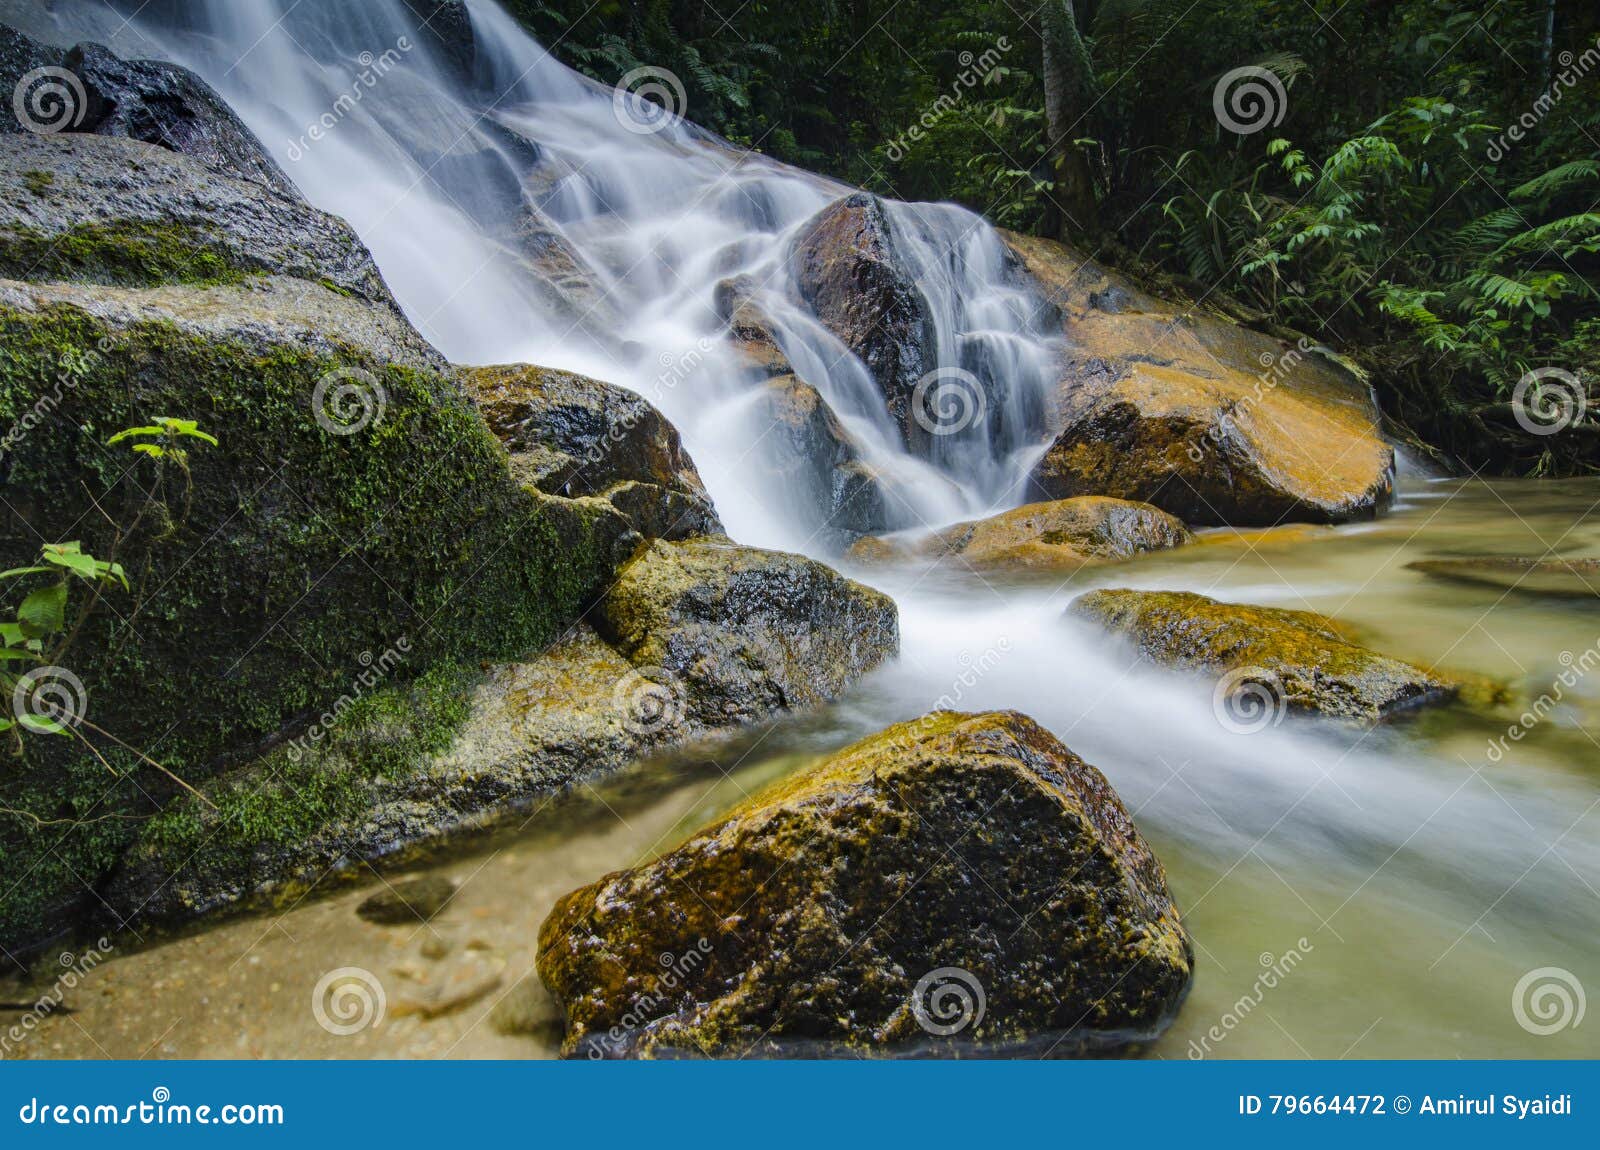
(956, 883)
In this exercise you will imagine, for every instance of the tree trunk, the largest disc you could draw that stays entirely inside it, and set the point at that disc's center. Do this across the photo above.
(1066, 84)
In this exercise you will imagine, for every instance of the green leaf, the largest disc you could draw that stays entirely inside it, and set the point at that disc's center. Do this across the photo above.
(16, 571)
(44, 612)
(133, 432)
(14, 655)
(39, 724)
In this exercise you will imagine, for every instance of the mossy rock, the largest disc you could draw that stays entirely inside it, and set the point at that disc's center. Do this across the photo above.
(111, 210)
(1310, 664)
(1185, 409)
(1062, 535)
(286, 555)
(571, 435)
(845, 911)
(745, 632)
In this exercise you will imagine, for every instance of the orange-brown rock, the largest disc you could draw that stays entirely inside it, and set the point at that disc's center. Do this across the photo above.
(1189, 411)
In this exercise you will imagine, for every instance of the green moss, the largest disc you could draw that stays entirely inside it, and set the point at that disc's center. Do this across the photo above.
(304, 555)
(39, 183)
(123, 253)
(312, 784)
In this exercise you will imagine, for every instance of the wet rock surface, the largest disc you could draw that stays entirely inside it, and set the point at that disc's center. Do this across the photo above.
(123, 212)
(1066, 534)
(745, 632)
(408, 901)
(957, 882)
(92, 90)
(847, 271)
(1218, 424)
(1270, 658)
(570, 435)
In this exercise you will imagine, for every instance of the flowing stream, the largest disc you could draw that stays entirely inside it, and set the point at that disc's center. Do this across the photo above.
(1363, 893)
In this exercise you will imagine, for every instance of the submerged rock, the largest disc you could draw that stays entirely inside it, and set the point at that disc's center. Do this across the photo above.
(1216, 423)
(1576, 578)
(409, 902)
(745, 632)
(1065, 534)
(846, 269)
(955, 882)
(570, 435)
(1297, 661)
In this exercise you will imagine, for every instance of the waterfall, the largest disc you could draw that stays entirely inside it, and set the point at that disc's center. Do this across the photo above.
(522, 213)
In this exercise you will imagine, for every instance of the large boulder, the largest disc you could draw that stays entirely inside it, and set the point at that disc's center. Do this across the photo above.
(91, 89)
(847, 271)
(355, 499)
(1216, 423)
(570, 435)
(955, 882)
(118, 211)
(1063, 535)
(744, 632)
(1267, 660)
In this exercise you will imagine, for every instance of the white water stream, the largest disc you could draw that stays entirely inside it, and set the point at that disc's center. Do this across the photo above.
(1427, 879)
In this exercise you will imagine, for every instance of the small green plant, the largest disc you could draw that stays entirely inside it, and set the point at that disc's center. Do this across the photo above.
(44, 697)
(38, 636)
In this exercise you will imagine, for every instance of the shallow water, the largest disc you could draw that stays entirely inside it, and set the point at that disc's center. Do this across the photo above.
(1366, 893)
(1394, 885)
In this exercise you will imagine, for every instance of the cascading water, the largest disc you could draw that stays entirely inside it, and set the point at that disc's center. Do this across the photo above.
(454, 170)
